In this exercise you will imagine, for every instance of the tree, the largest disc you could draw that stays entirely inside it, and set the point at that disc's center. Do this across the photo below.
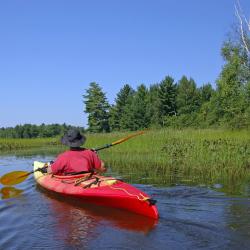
(244, 28)
(187, 99)
(229, 105)
(97, 106)
(117, 110)
(138, 111)
(153, 105)
(167, 98)
(114, 118)
(230, 101)
(230, 91)
(206, 91)
(134, 114)
(127, 118)
(35, 131)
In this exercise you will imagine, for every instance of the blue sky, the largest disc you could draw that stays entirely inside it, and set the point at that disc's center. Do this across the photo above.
(50, 50)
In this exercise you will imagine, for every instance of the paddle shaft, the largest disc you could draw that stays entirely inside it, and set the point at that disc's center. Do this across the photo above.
(118, 142)
(39, 169)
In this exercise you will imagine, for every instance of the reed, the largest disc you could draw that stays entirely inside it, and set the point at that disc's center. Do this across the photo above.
(167, 156)
(178, 156)
(15, 144)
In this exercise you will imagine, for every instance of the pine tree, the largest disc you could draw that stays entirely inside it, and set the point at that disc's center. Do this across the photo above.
(138, 113)
(153, 105)
(167, 98)
(187, 99)
(114, 118)
(206, 91)
(127, 118)
(97, 106)
(117, 110)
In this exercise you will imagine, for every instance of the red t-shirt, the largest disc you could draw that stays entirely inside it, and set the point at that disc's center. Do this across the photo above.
(76, 161)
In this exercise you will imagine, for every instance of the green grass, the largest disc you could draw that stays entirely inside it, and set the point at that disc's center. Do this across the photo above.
(180, 156)
(15, 144)
(168, 156)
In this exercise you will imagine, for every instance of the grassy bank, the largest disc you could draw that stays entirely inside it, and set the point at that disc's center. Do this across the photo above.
(174, 156)
(169, 156)
(16, 144)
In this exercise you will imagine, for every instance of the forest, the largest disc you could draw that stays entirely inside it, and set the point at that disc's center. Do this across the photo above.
(35, 131)
(179, 104)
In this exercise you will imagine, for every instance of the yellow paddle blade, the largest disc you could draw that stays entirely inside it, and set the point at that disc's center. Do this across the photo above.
(125, 139)
(14, 178)
(10, 192)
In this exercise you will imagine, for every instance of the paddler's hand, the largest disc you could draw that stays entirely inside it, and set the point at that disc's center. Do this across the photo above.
(43, 170)
(102, 169)
(48, 167)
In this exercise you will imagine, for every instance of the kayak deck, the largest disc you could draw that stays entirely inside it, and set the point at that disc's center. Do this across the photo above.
(101, 190)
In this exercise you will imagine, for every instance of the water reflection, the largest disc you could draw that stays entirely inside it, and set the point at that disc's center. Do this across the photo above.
(238, 219)
(91, 214)
(10, 192)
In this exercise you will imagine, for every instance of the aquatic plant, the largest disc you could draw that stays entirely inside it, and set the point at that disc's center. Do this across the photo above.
(166, 156)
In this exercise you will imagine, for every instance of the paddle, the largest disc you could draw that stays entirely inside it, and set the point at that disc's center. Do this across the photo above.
(17, 177)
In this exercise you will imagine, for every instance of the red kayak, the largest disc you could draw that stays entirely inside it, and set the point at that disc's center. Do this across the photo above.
(101, 190)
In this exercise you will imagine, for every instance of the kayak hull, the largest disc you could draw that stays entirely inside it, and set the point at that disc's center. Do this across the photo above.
(100, 190)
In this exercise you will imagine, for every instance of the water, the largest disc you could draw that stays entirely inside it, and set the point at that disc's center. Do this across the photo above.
(194, 217)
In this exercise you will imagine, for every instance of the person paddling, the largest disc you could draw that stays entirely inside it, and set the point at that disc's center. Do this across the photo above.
(76, 159)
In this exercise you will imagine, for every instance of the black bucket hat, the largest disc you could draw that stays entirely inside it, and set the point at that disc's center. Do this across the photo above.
(73, 138)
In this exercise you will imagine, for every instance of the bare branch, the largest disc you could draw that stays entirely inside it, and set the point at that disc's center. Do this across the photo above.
(239, 14)
(242, 14)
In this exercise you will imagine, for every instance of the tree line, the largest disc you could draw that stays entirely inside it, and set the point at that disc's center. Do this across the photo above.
(35, 131)
(178, 104)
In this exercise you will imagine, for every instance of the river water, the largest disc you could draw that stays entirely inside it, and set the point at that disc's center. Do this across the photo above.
(191, 217)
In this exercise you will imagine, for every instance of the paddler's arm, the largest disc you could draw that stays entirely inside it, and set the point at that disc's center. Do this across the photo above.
(49, 171)
(54, 167)
(102, 168)
(96, 163)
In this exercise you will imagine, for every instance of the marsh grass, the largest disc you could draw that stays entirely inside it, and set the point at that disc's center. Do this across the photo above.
(168, 156)
(16, 144)
(180, 156)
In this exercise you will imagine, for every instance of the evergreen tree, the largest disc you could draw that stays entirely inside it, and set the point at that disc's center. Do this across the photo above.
(167, 98)
(96, 105)
(127, 118)
(114, 118)
(138, 111)
(187, 99)
(206, 91)
(117, 110)
(153, 105)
